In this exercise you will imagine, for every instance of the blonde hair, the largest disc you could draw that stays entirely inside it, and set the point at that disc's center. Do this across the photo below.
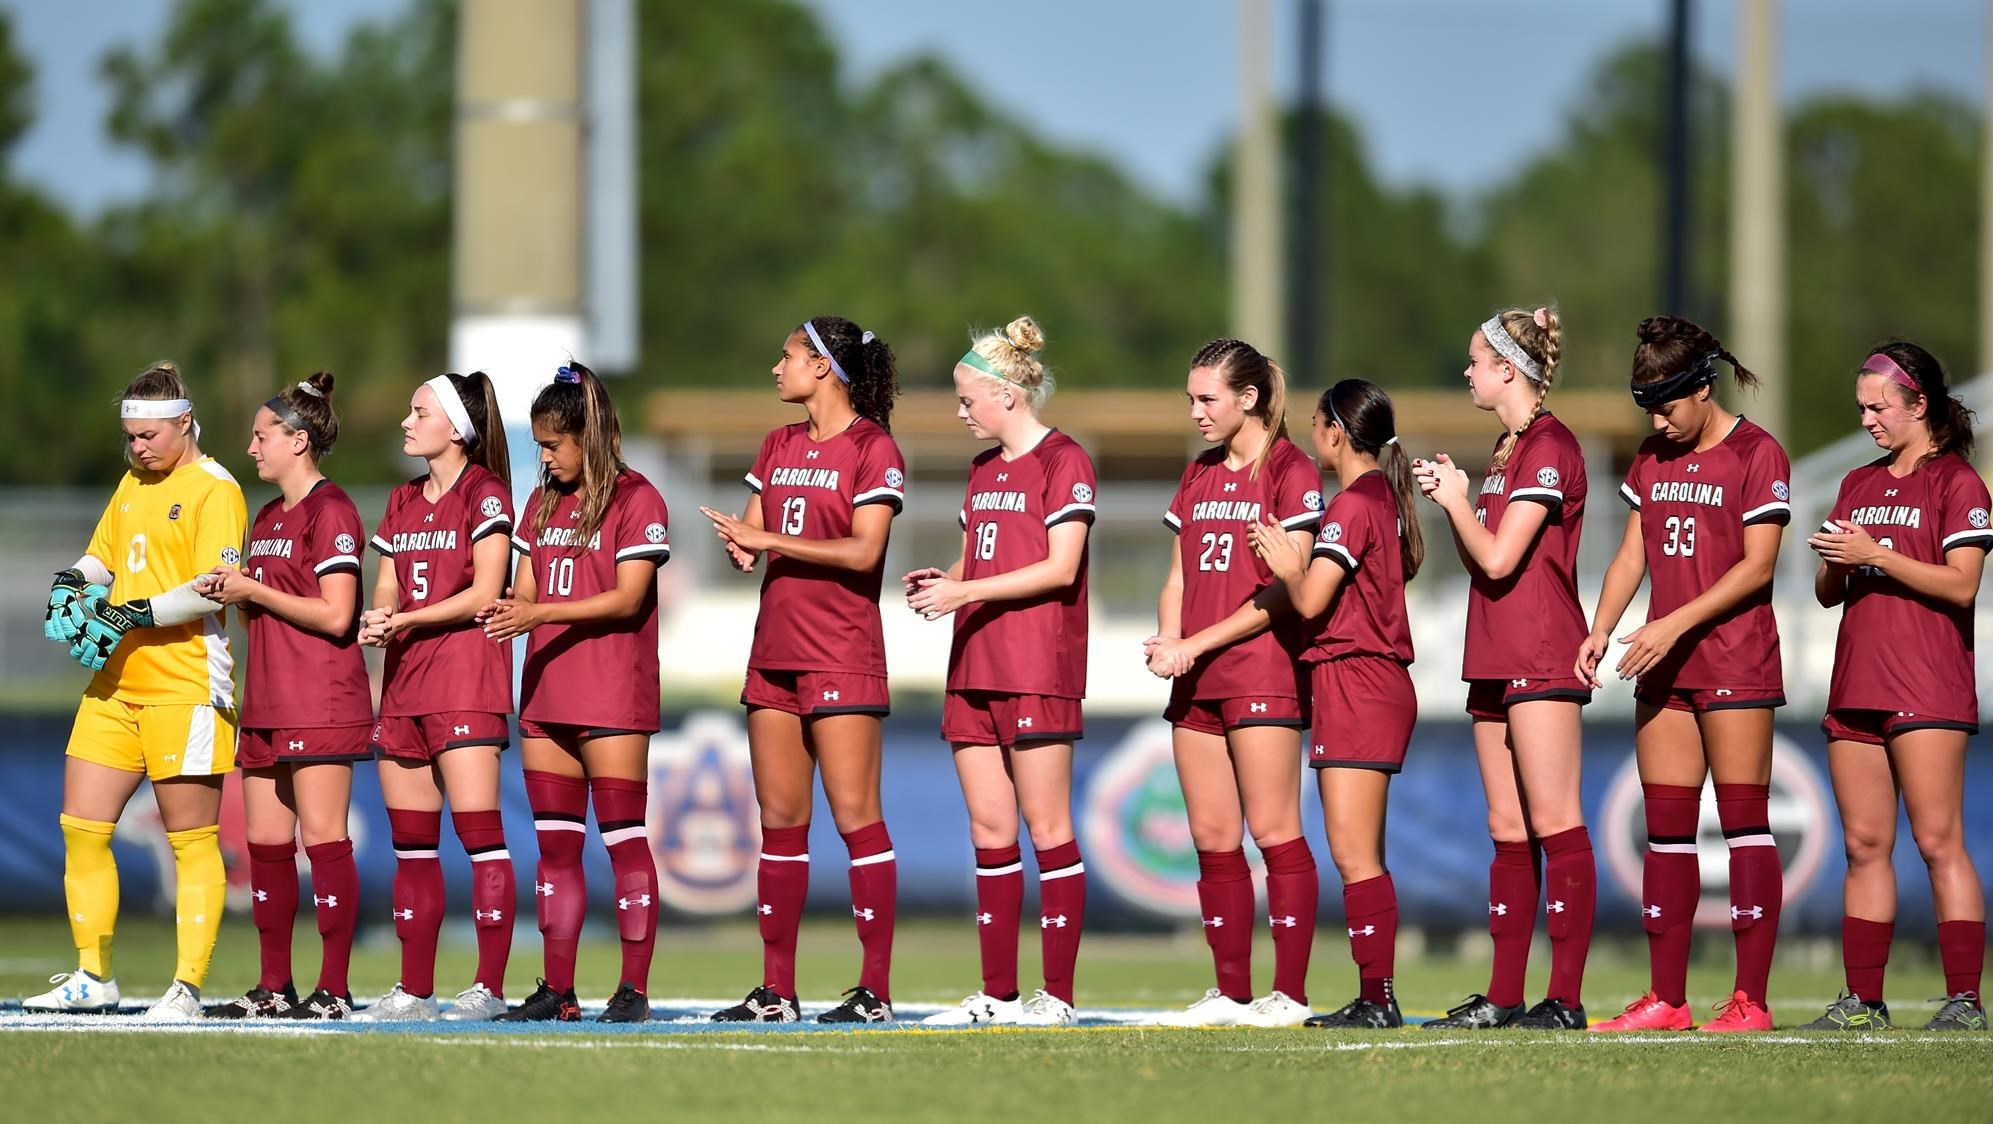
(159, 382)
(1546, 346)
(1014, 353)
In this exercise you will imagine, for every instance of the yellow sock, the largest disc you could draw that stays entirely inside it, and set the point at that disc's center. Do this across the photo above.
(90, 885)
(202, 888)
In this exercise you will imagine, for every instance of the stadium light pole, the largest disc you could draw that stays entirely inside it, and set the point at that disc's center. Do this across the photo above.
(1675, 196)
(1257, 290)
(1757, 214)
(1308, 318)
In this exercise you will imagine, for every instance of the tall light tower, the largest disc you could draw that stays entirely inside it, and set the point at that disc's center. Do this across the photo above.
(1258, 284)
(1757, 216)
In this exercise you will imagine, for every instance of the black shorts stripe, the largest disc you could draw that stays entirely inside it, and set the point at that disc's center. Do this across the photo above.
(1374, 766)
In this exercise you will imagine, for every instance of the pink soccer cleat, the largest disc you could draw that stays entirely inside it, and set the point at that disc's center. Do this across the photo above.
(1647, 1013)
(1738, 1013)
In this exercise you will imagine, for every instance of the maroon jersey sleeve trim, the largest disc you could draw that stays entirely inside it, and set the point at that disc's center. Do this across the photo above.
(1774, 512)
(336, 564)
(1631, 497)
(1550, 497)
(1305, 521)
(1981, 539)
(1337, 553)
(1068, 513)
(496, 525)
(661, 552)
(892, 496)
(521, 547)
(753, 482)
(1172, 522)
(382, 546)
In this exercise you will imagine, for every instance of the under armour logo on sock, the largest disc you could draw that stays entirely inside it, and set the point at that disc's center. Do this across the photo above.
(862, 914)
(404, 915)
(544, 889)
(1499, 909)
(329, 900)
(1651, 910)
(1214, 922)
(830, 696)
(1755, 913)
(1058, 922)
(259, 895)
(1555, 907)
(1287, 921)
(641, 901)
(764, 910)
(460, 731)
(984, 919)
(1366, 931)
(488, 915)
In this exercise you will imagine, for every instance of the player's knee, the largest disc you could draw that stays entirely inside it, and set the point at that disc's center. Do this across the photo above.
(1354, 865)
(1939, 843)
(989, 832)
(1867, 844)
(1506, 825)
(850, 815)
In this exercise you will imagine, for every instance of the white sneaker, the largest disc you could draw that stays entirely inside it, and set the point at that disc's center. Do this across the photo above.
(398, 1006)
(475, 1004)
(977, 1010)
(1274, 1009)
(1046, 1009)
(1215, 1009)
(76, 992)
(180, 1004)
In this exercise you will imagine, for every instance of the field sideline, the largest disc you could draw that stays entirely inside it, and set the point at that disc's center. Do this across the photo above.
(494, 1074)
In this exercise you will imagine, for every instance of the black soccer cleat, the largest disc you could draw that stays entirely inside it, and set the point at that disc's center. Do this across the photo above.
(1552, 1014)
(1478, 1013)
(1960, 1012)
(546, 1005)
(762, 1005)
(859, 1006)
(628, 1005)
(259, 1003)
(1360, 1014)
(321, 1005)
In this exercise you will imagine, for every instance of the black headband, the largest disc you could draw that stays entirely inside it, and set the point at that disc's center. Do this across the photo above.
(1699, 373)
(289, 417)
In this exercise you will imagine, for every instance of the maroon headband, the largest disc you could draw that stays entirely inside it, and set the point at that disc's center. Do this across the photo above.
(1880, 364)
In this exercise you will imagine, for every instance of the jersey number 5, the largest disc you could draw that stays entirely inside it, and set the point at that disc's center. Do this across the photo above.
(418, 580)
(1681, 536)
(1217, 552)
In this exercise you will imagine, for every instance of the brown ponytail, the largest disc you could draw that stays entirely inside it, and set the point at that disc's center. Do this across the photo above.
(1244, 368)
(1668, 344)
(1370, 423)
(1946, 415)
(487, 450)
(581, 409)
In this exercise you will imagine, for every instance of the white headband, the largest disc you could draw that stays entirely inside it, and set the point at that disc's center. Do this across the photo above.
(453, 407)
(153, 408)
(1506, 346)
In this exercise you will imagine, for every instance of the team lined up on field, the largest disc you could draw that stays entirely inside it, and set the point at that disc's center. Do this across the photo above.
(1282, 613)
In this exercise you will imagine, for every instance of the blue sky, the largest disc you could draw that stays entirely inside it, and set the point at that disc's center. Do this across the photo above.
(1447, 92)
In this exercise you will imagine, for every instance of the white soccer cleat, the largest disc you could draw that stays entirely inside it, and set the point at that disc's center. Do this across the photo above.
(1274, 1009)
(180, 1004)
(1046, 1009)
(978, 1010)
(78, 993)
(475, 1004)
(398, 1006)
(1215, 1009)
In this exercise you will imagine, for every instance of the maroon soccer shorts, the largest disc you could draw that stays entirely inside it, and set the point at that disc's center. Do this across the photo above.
(1710, 698)
(1215, 716)
(424, 737)
(568, 731)
(265, 749)
(1870, 727)
(999, 718)
(816, 694)
(1492, 698)
(1364, 707)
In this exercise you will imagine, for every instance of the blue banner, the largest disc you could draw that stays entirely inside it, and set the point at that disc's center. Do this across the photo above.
(1141, 865)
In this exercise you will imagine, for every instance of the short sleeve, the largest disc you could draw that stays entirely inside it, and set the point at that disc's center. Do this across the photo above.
(1963, 517)
(1767, 493)
(882, 475)
(1069, 487)
(521, 545)
(757, 473)
(1346, 535)
(333, 543)
(380, 542)
(643, 525)
(491, 509)
(1173, 514)
(218, 536)
(1296, 494)
(1635, 483)
(1540, 473)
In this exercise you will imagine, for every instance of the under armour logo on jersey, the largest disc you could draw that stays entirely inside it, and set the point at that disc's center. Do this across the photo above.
(297, 746)
(329, 900)
(1366, 931)
(1890, 492)
(1214, 922)
(404, 914)
(259, 895)
(1555, 907)
(1518, 682)
(1755, 913)
(543, 889)
(1650, 910)
(811, 455)
(488, 915)
(460, 731)
(429, 518)
(984, 919)
(276, 526)
(1499, 909)
(1722, 692)
(1002, 476)
(1232, 487)
(1024, 723)
(641, 901)
(764, 910)
(1258, 708)
(862, 914)
(830, 696)
(1286, 922)
(1693, 468)
(1058, 922)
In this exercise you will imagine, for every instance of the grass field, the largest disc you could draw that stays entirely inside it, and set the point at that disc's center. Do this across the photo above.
(491, 1074)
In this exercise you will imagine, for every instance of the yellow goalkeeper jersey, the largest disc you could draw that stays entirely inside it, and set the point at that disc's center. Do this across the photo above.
(158, 533)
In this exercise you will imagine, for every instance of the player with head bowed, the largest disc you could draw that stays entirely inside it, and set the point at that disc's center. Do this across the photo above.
(161, 705)
(1229, 639)
(585, 596)
(1710, 501)
(823, 493)
(307, 709)
(1518, 538)
(446, 690)
(1350, 589)
(1902, 552)
(1017, 668)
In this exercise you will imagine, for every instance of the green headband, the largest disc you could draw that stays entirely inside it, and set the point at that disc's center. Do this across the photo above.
(971, 359)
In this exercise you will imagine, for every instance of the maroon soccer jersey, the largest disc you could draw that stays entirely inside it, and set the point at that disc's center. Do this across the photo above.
(1213, 508)
(1693, 511)
(1530, 625)
(1361, 532)
(429, 545)
(1034, 647)
(299, 678)
(815, 618)
(602, 674)
(1898, 651)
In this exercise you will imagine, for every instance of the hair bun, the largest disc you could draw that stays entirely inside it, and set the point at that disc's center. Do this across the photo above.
(321, 381)
(1024, 334)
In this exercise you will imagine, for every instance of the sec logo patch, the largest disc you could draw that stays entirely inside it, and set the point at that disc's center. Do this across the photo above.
(654, 533)
(1546, 477)
(1332, 533)
(230, 556)
(343, 544)
(1780, 492)
(1977, 517)
(895, 478)
(1312, 501)
(492, 507)
(1082, 494)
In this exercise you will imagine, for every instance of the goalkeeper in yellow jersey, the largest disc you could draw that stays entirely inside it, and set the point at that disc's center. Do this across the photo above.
(162, 704)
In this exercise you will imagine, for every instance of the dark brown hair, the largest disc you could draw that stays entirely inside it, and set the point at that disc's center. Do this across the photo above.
(1668, 344)
(582, 410)
(321, 421)
(874, 380)
(1365, 414)
(1949, 420)
(487, 450)
(1244, 368)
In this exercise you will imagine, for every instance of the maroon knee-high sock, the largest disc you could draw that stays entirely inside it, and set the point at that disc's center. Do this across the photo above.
(1962, 954)
(875, 880)
(273, 892)
(418, 895)
(494, 895)
(1293, 894)
(1670, 884)
(782, 882)
(1225, 893)
(1865, 955)
(1757, 882)
(1372, 908)
(560, 885)
(619, 812)
(1513, 892)
(1570, 903)
(335, 896)
(999, 905)
(1062, 914)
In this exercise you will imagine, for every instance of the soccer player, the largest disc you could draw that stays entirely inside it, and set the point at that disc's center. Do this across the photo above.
(1351, 591)
(306, 706)
(585, 596)
(1902, 552)
(162, 703)
(1519, 541)
(823, 495)
(1709, 496)
(446, 690)
(1017, 669)
(1229, 639)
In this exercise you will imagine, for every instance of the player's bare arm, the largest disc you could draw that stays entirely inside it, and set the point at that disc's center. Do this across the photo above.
(1648, 644)
(940, 594)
